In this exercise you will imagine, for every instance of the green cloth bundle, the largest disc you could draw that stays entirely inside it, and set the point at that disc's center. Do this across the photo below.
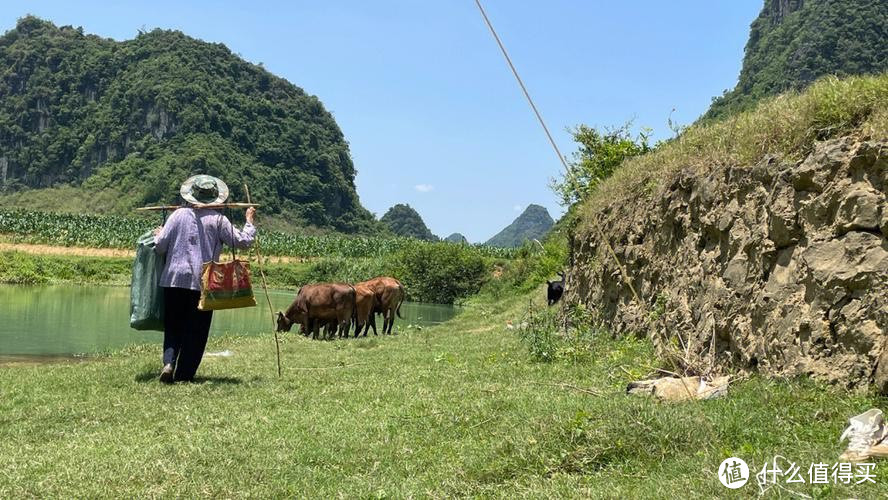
(146, 295)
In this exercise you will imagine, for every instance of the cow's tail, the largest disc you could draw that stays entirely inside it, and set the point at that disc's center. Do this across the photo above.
(403, 294)
(354, 305)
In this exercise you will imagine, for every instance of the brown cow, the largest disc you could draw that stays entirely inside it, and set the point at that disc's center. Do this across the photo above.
(318, 305)
(389, 297)
(366, 303)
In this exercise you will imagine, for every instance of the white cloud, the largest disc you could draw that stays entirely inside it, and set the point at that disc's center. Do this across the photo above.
(424, 188)
(517, 208)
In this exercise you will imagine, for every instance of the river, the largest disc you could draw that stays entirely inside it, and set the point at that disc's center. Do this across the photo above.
(68, 320)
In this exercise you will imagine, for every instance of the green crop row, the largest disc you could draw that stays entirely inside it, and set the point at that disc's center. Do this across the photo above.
(111, 231)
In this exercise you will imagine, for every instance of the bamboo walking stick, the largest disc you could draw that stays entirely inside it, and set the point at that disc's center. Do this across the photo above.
(277, 344)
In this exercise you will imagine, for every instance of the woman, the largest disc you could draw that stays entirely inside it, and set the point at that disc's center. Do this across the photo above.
(190, 237)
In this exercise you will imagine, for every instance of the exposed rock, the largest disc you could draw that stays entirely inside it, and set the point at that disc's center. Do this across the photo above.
(860, 209)
(776, 267)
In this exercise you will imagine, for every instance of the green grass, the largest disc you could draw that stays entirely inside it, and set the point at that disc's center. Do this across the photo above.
(32, 269)
(455, 410)
(28, 269)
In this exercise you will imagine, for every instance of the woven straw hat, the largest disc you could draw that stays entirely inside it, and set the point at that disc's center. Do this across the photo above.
(204, 189)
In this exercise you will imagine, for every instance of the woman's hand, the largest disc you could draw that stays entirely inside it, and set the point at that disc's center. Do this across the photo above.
(250, 213)
(157, 230)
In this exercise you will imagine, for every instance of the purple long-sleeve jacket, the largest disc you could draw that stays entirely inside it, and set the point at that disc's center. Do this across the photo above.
(192, 236)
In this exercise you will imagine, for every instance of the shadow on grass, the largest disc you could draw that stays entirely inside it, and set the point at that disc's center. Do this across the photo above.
(216, 380)
(152, 376)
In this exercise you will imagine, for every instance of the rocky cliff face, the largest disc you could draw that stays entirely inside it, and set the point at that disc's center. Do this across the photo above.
(780, 267)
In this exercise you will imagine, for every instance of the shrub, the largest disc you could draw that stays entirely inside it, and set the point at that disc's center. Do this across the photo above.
(531, 266)
(440, 272)
(539, 332)
(552, 333)
(599, 156)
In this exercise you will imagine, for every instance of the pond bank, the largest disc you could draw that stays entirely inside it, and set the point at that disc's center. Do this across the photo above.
(31, 268)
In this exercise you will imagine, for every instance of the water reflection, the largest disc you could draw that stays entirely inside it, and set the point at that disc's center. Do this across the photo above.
(66, 319)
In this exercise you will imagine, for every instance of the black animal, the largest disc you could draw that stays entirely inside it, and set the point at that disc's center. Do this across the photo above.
(555, 290)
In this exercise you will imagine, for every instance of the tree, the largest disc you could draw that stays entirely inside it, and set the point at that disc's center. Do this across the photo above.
(600, 154)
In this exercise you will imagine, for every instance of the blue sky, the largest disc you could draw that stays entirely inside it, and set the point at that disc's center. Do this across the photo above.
(432, 114)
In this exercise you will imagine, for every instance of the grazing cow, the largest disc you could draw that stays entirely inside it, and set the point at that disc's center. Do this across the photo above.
(555, 289)
(331, 305)
(389, 297)
(366, 303)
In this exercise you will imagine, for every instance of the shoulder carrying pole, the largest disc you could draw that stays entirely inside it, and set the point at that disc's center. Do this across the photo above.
(214, 206)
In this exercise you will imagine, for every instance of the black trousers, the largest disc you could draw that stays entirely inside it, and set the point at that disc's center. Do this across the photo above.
(185, 331)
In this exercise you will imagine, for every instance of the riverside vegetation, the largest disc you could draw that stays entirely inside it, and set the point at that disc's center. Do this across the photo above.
(440, 272)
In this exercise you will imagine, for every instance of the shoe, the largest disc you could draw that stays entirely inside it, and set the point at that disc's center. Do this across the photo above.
(166, 375)
(865, 433)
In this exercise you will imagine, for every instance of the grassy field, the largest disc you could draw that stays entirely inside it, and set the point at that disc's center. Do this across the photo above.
(39, 269)
(455, 410)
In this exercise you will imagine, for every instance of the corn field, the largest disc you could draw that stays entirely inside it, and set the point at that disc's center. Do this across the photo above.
(112, 231)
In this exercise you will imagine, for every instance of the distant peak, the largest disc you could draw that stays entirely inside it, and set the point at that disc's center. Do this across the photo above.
(533, 223)
(536, 208)
(456, 238)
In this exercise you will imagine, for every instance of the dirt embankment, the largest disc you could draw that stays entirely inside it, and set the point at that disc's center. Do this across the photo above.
(59, 250)
(36, 249)
(780, 267)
